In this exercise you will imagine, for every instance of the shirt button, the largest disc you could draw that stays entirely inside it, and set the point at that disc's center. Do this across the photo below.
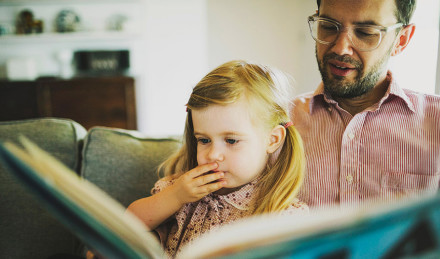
(349, 178)
(351, 135)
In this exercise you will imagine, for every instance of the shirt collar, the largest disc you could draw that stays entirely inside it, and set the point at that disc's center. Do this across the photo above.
(323, 99)
(395, 90)
(242, 198)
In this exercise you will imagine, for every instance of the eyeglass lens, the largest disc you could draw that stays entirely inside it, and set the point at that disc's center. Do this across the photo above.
(362, 37)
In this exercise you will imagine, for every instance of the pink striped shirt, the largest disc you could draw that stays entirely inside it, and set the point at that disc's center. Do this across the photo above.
(389, 150)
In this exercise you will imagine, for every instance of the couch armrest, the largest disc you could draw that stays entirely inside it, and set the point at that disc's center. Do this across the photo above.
(26, 229)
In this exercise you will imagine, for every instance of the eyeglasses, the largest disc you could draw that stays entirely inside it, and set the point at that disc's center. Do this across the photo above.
(363, 37)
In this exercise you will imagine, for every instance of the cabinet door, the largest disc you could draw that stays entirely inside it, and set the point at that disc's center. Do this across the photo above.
(91, 101)
(18, 100)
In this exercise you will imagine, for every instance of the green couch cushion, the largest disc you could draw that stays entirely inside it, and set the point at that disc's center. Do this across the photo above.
(28, 230)
(124, 163)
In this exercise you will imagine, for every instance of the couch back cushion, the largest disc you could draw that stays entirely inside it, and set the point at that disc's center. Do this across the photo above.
(28, 230)
(124, 163)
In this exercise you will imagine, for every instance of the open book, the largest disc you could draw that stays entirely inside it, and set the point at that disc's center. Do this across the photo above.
(383, 231)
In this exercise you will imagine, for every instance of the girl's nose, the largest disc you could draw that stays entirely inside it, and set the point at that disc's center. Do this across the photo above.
(215, 153)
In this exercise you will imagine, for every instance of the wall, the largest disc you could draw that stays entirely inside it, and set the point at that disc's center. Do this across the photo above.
(273, 32)
(184, 41)
(416, 67)
(175, 60)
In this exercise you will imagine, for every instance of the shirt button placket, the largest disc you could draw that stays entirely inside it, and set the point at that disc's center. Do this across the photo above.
(349, 157)
(349, 178)
(351, 135)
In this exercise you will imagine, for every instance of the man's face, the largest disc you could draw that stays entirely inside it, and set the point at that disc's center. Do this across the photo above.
(346, 71)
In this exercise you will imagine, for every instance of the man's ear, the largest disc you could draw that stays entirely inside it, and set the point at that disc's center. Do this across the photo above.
(276, 138)
(403, 39)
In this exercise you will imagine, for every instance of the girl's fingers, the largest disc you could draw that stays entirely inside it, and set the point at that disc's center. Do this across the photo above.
(212, 187)
(208, 178)
(201, 169)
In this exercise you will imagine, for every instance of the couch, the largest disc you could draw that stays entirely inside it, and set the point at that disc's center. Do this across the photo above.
(123, 163)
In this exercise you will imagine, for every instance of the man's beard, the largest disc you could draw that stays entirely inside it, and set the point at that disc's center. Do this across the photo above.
(361, 85)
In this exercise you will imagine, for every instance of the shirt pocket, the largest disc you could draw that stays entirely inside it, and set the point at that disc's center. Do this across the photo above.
(406, 184)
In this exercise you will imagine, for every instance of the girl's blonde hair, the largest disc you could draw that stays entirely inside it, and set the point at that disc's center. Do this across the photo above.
(268, 94)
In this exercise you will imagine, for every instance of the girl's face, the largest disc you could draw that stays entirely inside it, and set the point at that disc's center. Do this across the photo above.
(227, 135)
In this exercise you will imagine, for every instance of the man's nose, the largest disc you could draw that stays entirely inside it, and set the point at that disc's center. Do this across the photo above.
(343, 45)
(215, 153)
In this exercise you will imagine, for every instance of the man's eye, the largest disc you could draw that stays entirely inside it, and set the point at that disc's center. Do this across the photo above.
(231, 141)
(327, 26)
(203, 140)
(367, 32)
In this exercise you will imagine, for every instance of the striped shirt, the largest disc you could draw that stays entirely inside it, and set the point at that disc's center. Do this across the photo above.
(389, 150)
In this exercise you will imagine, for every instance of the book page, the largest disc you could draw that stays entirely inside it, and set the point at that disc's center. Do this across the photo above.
(274, 233)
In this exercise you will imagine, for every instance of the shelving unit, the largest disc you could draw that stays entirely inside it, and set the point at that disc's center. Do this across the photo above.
(61, 2)
(94, 18)
(91, 100)
(53, 37)
(94, 33)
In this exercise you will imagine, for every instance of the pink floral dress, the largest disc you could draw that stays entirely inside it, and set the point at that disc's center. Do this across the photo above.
(212, 211)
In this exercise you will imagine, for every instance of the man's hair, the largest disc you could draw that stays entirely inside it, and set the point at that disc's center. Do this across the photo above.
(404, 12)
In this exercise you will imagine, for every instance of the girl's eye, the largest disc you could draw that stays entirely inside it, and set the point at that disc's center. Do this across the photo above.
(231, 141)
(203, 140)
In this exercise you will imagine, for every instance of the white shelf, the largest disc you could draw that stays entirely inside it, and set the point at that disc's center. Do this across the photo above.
(68, 36)
(62, 2)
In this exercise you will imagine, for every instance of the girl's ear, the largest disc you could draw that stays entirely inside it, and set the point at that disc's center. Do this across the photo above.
(276, 138)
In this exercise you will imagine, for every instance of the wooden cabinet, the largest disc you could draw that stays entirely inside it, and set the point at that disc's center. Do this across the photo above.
(90, 101)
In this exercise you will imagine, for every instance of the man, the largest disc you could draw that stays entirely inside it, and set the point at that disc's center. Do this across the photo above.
(365, 137)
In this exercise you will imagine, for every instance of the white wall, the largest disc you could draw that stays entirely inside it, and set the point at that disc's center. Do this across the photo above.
(185, 40)
(416, 67)
(175, 60)
(272, 32)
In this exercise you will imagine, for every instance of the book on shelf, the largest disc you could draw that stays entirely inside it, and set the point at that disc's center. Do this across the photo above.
(384, 230)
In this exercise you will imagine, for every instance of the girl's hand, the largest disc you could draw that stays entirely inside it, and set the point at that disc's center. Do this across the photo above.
(189, 187)
(197, 183)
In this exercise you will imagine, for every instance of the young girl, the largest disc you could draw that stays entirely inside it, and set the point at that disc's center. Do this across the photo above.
(241, 156)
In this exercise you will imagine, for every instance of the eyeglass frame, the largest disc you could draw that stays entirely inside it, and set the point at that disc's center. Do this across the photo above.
(339, 26)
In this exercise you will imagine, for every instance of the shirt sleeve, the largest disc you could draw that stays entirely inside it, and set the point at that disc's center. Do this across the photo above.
(163, 229)
(162, 184)
(297, 207)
